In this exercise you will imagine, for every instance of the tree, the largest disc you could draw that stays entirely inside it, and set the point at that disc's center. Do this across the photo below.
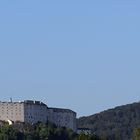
(136, 134)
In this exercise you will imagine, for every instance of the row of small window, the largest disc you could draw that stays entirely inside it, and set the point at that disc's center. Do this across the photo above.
(9, 111)
(35, 107)
(30, 116)
(34, 118)
(11, 108)
(12, 105)
(7, 117)
(35, 114)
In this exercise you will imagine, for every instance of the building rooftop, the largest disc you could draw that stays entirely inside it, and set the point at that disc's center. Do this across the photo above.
(25, 102)
(34, 102)
(61, 110)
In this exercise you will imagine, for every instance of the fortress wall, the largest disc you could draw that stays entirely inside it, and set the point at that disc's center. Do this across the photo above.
(12, 111)
(62, 117)
(35, 111)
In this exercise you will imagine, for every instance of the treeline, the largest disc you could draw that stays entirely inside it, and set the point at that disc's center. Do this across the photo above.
(115, 124)
(40, 131)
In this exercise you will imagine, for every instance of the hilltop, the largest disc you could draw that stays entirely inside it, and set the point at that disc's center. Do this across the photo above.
(117, 123)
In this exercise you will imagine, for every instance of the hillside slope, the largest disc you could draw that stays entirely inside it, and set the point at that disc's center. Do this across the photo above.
(117, 123)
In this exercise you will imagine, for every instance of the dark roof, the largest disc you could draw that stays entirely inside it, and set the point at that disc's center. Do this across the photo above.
(61, 110)
(31, 102)
(34, 102)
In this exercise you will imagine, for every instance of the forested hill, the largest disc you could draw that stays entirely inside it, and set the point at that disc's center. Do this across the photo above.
(117, 123)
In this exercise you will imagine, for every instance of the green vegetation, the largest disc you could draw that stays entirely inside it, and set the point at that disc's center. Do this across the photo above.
(40, 131)
(136, 134)
(120, 123)
(115, 124)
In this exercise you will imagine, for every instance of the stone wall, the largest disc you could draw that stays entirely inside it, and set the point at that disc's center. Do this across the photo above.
(62, 117)
(12, 111)
(36, 111)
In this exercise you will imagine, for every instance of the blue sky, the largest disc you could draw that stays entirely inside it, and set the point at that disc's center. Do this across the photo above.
(77, 54)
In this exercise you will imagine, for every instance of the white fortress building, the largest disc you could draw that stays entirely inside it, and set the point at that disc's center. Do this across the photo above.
(35, 111)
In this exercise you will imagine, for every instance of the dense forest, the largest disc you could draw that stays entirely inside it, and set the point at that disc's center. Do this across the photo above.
(120, 123)
(40, 131)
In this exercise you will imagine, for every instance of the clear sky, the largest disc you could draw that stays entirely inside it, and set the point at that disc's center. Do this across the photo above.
(77, 54)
